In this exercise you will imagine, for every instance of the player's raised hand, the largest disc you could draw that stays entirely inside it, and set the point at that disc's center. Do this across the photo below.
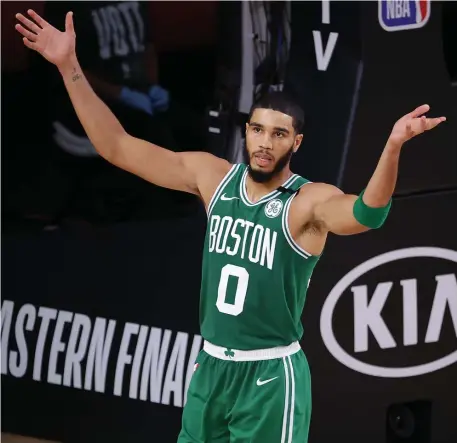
(413, 124)
(54, 45)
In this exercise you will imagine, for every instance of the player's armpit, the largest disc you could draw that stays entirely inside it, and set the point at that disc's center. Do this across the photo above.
(334, 210)
(192, 172)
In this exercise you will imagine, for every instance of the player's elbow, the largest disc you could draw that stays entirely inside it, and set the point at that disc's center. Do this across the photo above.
(118, 149)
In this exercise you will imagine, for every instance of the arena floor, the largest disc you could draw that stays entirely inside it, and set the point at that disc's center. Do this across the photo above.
(12, 438)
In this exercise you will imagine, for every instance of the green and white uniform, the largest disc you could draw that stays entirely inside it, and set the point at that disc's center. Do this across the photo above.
(252, 381)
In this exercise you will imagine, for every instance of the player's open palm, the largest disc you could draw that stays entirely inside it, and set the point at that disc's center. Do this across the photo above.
(413, 124)
(54, 45)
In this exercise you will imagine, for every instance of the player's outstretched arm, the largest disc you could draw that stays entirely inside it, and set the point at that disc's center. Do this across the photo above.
(346, 214)
(179, 171)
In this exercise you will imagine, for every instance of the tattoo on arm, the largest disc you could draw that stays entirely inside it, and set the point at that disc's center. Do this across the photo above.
(75, 76)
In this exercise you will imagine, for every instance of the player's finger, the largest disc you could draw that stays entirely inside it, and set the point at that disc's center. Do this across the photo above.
(30, 44)
(69, 27)
(38, 19)
(26, 33)
(423, 123)
(30, 25)
(419, 111)
(433, 122)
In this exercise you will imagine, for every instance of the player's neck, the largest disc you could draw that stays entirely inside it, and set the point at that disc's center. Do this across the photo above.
(256, 190)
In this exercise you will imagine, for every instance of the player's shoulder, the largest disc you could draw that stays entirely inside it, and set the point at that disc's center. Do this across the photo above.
(316, 192)
(320, 188)
(205, 162)
(215, 166)
(209, 171)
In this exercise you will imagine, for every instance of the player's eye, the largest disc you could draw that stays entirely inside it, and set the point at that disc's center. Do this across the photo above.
(279, 134)
(256, 129)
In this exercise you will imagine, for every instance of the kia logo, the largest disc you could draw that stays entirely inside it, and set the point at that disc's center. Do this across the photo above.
(367, 314)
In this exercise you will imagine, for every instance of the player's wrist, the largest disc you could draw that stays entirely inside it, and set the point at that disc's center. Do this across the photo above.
(393, 146)
(69, 67)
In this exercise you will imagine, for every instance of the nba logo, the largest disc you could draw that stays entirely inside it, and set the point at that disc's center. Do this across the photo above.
(399, 15)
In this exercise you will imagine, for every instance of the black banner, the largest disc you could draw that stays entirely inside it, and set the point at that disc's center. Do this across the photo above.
(381, 324)
(100, 331)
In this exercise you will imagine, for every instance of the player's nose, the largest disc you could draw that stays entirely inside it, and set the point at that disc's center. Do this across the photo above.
(266, 143)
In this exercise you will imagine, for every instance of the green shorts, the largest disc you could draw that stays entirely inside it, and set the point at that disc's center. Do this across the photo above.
(256, 401)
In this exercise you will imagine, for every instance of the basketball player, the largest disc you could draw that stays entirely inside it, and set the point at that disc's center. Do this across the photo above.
(266, 231)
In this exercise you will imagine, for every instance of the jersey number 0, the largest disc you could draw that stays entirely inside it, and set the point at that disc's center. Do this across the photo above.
(241, 290)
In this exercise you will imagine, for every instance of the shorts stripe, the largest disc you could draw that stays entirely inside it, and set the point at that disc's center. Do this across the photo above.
(292, 400)
(286, 403)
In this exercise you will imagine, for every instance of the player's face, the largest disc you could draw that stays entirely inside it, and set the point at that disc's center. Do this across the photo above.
(270, 141)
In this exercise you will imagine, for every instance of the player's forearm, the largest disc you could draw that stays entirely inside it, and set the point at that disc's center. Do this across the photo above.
(384, 179)
(102, 87)
(347, 214)
(100, 124)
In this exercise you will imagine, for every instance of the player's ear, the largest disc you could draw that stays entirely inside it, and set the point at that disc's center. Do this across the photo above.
(297, 142)
(247, 127)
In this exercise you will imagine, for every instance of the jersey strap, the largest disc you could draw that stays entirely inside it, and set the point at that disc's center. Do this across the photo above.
(285, 225)
(288, 190)
(220, 189)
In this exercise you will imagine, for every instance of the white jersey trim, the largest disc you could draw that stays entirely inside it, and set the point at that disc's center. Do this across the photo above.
(224, 182)
(285, 227)
(265, 198)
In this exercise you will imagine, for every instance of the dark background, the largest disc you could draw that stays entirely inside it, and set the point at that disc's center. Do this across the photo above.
(144, 266)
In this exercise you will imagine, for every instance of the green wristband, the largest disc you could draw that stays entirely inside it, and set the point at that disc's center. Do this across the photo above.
(370, 217)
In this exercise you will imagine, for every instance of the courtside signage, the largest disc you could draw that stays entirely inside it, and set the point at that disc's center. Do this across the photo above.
(376, 333)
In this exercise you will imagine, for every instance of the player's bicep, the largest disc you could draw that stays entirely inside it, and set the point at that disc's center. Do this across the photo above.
(184, 171)
(205, 171)
(336, 213)
(153, 163)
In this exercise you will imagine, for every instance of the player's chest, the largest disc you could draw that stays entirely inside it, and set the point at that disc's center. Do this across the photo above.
(252, 234)
(268, 214)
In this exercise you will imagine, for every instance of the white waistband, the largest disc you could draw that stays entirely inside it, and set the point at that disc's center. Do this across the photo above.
(257, 354)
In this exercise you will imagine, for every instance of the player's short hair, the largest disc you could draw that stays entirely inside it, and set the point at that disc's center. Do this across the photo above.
(282, 102)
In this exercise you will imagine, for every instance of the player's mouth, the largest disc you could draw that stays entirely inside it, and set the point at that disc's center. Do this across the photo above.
(263, 160)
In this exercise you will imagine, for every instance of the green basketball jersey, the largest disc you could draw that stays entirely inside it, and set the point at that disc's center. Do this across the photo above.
(254, 276)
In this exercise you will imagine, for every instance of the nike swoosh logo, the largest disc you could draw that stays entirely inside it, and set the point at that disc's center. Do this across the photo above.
(223, 197)
(264, 382)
